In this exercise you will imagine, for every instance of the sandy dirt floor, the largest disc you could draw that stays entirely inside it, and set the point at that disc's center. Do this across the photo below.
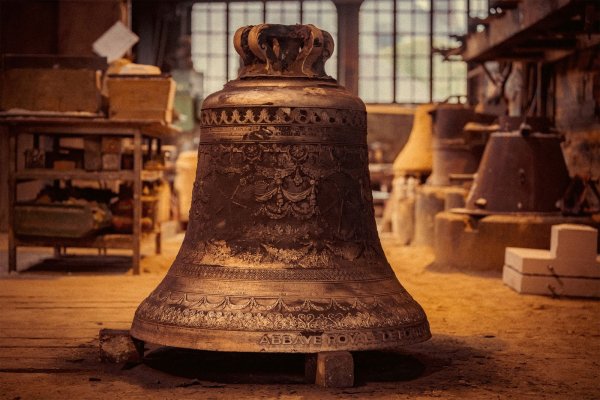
(488, 341)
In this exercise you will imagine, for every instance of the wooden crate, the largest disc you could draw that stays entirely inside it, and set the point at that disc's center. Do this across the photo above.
(141, 97)
(49, 89)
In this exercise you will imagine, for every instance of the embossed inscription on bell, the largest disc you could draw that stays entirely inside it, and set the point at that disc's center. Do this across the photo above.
(281, 252)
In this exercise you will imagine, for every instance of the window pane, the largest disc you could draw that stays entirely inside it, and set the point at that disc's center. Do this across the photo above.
(412, 52)
(479, 8)
(208, 44)
(376, 50)
(411, 44)
(246, 13)
(283, 12)
(241, 14)
(450, 19)
(323, 15)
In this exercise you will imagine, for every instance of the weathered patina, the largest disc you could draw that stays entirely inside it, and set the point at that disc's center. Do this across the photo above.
(281, 252)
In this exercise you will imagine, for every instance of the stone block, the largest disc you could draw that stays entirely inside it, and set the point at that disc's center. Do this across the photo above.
(530, 259)
(455, 198)
(117, 346)
(335, 369)
(550, 285)
(574, 241)
(429, 202)
(572, 253)
(399, 212)
(403, 220)
(468, 243)
(310, 367)
(571, 266)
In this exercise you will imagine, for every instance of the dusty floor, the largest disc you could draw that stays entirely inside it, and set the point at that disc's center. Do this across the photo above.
(488, 342)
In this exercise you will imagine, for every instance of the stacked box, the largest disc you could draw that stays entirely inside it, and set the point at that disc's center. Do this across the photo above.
(92, 155)
(111, 153)
(570, 268)
(148, 97)
(51, 83)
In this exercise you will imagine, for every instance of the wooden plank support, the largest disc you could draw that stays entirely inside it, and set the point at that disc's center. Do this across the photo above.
(12, 199)
(516, 26)
(310, 367)
(137, 201)
(334, 369)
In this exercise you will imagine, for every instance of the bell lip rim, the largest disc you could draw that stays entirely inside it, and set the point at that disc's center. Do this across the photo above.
(149, 337)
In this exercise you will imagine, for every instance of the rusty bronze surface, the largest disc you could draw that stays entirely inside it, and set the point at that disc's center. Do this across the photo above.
(519, 173)
(281, 252)
(454, 151)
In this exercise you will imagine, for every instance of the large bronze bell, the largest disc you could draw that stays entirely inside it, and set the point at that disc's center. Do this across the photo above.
(281, 252)
(454, 152)
(520, 172)
(416, 155)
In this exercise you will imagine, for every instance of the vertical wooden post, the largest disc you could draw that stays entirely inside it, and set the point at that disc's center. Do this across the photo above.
(158, 241)
(137, 200)
(12, 197)
(157, 227)
(335, 369)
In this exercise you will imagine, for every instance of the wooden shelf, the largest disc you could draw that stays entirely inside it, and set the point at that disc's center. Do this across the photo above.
(41, 173)
(61, 126)
(83, 126)
(51, 174)
(111, 241)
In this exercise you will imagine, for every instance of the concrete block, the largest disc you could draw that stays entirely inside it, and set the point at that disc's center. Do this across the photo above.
(403, 220)
(468, 243)
(335, 369)
(455, 198)
(572, 254)
(530, 259)
(550, 285)
(310, 367)
(117, 346)
(429, 202)
(570, 268)
(399, 212)
(574, 241)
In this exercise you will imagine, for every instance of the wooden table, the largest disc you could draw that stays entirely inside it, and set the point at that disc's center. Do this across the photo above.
(82, 127)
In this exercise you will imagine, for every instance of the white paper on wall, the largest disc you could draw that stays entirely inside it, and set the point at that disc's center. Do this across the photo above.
(115, 42)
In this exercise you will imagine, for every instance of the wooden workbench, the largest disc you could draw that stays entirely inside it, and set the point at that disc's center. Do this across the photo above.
(81, 127)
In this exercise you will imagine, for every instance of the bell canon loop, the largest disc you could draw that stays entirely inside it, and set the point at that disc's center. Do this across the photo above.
(281, 253)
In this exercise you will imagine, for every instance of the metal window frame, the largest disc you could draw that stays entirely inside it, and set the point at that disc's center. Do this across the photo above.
(399, 7)
(228, 28)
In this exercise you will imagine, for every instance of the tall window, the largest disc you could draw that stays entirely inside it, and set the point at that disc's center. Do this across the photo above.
(402, 45)
(215, 22)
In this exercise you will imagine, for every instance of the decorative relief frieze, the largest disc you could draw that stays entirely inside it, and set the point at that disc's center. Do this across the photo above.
(258, 313)
(311, 116)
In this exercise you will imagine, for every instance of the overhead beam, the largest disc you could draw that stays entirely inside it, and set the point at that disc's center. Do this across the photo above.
(515, 26)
